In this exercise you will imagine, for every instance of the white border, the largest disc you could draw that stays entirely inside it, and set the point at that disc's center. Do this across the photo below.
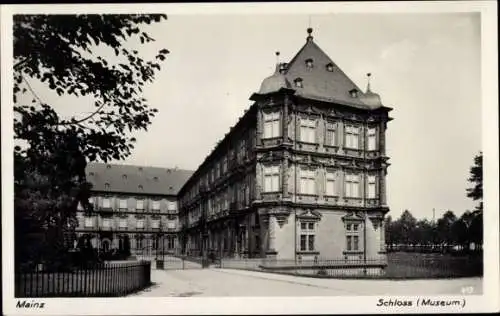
(488, 302)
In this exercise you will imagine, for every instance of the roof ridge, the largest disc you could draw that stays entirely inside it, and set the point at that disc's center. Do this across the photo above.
(138, 166)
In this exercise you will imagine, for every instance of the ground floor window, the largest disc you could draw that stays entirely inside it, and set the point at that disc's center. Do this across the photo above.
(105, 245)
(353, 236)
(140, 242)
(307, 236)
(170, 242)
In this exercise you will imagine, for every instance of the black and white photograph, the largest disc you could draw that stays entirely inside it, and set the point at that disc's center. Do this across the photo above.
(257, 158)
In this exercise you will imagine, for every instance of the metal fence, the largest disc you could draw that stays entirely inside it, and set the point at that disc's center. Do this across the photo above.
(392, 267)
(104, 280)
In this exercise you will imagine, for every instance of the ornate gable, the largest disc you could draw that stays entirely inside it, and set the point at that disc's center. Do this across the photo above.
(353, 217)
(313, 215)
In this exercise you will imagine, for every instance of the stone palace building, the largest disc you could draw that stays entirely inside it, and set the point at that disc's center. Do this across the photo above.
(302, 173)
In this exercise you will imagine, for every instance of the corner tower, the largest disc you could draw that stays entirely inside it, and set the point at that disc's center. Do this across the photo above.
(320, 161)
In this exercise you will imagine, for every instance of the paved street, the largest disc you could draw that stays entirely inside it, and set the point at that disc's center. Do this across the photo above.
(229, 282)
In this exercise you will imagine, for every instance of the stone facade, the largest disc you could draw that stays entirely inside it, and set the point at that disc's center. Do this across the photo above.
(300, 176)
(305, 176)
(132, 201)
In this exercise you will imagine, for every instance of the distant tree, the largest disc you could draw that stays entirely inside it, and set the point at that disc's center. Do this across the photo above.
(51, 153)
(389, 237)
(476, 179)
(476, 229)
(408, 225)
(424, 232)
(460, 233)
(444, 225)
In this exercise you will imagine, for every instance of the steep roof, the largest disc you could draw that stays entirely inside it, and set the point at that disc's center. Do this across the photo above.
(130, 178)
(320, 83)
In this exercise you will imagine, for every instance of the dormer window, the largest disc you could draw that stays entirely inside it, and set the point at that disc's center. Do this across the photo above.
(353, 93)
(282, 68)
(298, 82)
(106, 185)
(309, 63)
(140, 187)
(156, 179)
(329, 67)
(108, 166)
(124, 177)
(140, 168)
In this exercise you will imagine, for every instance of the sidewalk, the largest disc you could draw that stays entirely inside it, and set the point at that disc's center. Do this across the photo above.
(229, 282)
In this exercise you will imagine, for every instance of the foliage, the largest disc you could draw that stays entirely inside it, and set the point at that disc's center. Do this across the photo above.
(476, 178)
(447, 230)
(64, 53)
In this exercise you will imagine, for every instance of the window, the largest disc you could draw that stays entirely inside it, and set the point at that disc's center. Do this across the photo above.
(352, 137)
(257, 242)
(330, 184)
(331, 135)
(89, 222)
(140, 223)
(309, 63)
(352, 185)
(272, 179)
(91, 200)
(106, 203)
(308, 130)
(155, 206)
(224, 165)
(140, 204)
(106, 185)
(307, 181)
(106, 223)
(307, 236)
(155, 224)
(123, 204)
(154, 243)
(172, 205)
(371, 194)
(170, 242)
(272, 125)
(352, 237)
(329, 67)
(123, 223)
(140, 242)
(298, 82)
(372, 138)
(170, 224)
(243, 148)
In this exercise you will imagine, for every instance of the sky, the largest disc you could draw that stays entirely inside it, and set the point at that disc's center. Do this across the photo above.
(427, 67)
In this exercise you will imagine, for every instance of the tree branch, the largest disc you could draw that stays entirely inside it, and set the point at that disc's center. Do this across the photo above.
(85, 118)
(19, 64)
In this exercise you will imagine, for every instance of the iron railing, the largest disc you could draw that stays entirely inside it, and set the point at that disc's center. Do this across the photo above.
(104, 280)
(392, 267)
